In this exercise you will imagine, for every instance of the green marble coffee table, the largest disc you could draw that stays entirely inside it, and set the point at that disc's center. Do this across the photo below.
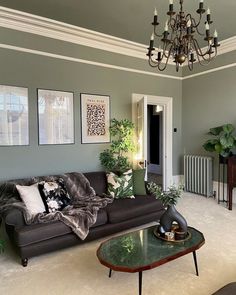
(142, 250)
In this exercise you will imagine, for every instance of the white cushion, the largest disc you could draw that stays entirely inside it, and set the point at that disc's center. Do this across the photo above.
(31, 197)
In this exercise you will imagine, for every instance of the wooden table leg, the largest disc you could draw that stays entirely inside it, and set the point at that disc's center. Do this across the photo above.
(110, 271)
(195, 262)
(140, 275)
(230, 189)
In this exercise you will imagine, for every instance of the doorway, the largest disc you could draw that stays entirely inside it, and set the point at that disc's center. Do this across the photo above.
(155, 144)
(140, 106)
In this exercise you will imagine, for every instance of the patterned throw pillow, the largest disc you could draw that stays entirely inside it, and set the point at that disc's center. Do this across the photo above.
(120, 187)
(54, 195)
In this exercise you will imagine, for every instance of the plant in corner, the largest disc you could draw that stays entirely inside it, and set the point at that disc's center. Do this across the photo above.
(116, 158)
(169, 198)
(224, 141)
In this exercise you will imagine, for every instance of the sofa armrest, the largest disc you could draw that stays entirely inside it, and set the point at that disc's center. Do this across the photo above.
(14, 217)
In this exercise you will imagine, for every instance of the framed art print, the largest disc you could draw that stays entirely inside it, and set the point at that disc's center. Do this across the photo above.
(14, 117)
(55, 117)
(95, 118)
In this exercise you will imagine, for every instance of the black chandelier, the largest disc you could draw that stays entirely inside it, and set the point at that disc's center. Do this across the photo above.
(178, 39)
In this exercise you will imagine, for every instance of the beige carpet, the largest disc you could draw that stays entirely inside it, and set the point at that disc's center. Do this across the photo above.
(77, 270)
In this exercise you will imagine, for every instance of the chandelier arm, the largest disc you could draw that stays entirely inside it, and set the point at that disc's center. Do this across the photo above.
(164, 67)
(199, 21)
(155, 33)
(205, 61)
(200, 53)
(166, 50)
(195, 26)
(174, 20)
(157, 64)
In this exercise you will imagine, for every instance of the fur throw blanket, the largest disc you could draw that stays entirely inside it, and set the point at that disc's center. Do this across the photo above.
(80, 214)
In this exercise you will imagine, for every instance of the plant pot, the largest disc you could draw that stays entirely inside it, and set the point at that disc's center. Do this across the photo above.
(224, 160)
(167, 219)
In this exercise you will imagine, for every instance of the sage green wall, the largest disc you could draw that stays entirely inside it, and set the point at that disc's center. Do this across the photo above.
(35, 71)
(209, 100)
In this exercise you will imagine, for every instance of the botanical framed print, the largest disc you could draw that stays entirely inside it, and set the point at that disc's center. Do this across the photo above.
(55, 117)
(14, 117)
(95, 118)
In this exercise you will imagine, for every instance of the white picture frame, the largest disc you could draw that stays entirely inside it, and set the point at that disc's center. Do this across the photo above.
(55, 117)
(14, 116)
(95, 118)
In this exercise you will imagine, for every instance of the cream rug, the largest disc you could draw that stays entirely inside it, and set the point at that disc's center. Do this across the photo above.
(77, 271)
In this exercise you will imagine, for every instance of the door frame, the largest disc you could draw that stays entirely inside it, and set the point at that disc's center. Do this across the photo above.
(167, 103)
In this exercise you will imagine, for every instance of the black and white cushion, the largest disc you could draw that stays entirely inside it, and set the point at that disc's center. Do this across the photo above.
(54, 195)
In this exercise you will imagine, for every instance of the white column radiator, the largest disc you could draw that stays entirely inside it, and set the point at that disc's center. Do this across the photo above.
(198, 175)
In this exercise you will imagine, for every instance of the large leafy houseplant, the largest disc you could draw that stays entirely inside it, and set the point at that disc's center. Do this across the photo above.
(116, 157)
(224, 141)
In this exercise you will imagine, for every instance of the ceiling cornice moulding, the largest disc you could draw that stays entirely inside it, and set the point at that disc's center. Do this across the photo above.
(30, 23)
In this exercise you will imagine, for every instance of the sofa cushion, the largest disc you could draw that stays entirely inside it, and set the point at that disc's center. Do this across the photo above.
(54, 195)
(34, 233)
(120, 186)
(98, 182)
(124, 209)
(138, 182)
(31, 197)
(101, 218)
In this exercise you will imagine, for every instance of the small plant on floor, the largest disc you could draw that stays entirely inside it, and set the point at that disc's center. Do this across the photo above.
(116, 157)
(169, 197)
(224, 141)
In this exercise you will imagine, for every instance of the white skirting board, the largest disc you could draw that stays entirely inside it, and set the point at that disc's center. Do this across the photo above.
(179, 179)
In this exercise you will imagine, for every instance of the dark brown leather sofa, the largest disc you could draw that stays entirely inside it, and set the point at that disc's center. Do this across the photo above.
(36, 239)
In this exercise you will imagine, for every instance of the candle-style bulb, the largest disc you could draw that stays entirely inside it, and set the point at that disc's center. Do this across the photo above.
(152, 36)
(208, 11)
(170, 2)
(166, 26)
(207, 26)
(201, 4)
(215, 34)
(155, 11)
(189, 23)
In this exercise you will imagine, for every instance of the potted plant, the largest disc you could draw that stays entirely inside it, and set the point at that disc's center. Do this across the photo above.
(116, 158)
(224, 141)
(169, 199)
